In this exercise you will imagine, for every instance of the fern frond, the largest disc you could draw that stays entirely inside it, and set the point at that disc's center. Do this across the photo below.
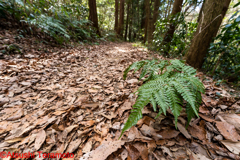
(190, 113)
(174, 101)
(162, 100)
(175, 83)
(136, 66)
(154, 104)
(136, 112)
(186, 93)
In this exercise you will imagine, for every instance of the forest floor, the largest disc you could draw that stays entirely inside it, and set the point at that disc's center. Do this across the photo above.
(57, 100)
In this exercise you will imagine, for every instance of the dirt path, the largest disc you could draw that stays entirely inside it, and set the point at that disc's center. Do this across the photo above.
(66, 101)
(75, 100)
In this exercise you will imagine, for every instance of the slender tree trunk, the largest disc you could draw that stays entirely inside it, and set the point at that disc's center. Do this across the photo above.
(147, 9)
(130, 22)
(143, 14)
(127, 21)
(224, 11)
(177, 7)
(116, 15)
(150, 31)
(93, 15)
(206, 30)
(153, 21)
(138, 20)
(121, 19)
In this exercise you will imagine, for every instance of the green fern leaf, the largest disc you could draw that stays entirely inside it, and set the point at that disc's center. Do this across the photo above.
(136, 66)
(162, 101)
(136, 112)
(174, 101)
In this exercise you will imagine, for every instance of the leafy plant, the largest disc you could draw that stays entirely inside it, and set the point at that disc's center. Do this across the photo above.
(167, 85)
(59, 21)
(223, 59)
(182, 36)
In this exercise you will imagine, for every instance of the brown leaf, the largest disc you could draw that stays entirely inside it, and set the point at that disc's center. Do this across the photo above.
(143, 150)
(206, 118)
(126, 106)
(92, 106)
(183, 131)
(133, 153)
(168, 133)
(228, 131)
(135, 134)
(16, 115)
(74, 145)
(145, 120)
(198, 131)
(88, 146)
(103, 151)
(149, 131)
(232, 119)
(88, 123)
(124, 154)
(233, 147)
(40, 139)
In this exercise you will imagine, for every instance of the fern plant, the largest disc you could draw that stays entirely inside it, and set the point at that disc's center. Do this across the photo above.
(167, 85)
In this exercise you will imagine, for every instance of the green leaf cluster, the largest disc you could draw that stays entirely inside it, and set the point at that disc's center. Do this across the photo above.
(167, 85)
(223, 58)
(61, 21)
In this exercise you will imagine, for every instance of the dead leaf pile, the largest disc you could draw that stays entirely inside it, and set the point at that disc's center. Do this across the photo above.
(75, 100)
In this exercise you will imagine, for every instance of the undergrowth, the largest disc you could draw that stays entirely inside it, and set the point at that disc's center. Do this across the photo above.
(62, 22)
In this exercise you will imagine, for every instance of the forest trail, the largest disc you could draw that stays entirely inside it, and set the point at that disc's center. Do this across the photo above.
(76, 101)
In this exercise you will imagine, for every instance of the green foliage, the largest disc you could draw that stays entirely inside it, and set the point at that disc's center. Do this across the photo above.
(62, 21)
(167, 85)
(182, 36)
(223, 58)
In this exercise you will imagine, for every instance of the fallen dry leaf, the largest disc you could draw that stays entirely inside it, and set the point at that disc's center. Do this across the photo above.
(183, 131)
(133, 153)
(103, 151)
(233, 147)
(40, 139)
(228, 131)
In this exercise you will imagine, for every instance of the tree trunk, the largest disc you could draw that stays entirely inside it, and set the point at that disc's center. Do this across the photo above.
(143, 14)
(121, 19)
(130, 22)
(126, 29)
(147, 9)
(93, 15)
(177, 7)
(224, 11)
(205, 32)
(153, 21)
(150, 31)
(116, 15)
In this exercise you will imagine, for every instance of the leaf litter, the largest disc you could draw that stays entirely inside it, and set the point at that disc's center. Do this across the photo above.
(75, 100)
